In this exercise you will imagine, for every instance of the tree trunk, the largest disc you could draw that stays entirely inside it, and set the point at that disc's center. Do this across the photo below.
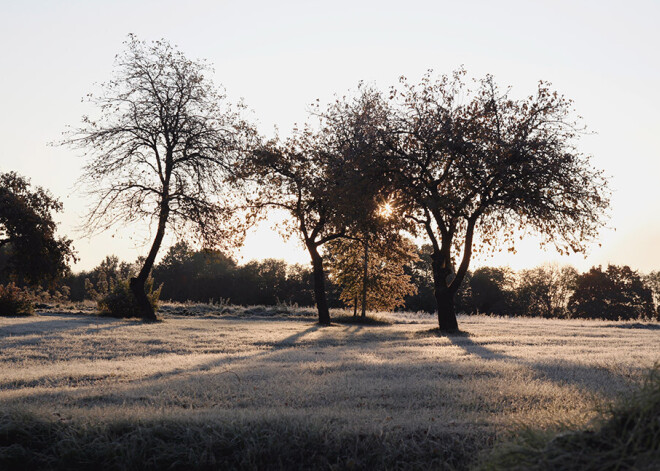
(146, 310)
(365, 276)
(446, 313)
(355, 305)
(444, 297)
(137, 284)
(319, 285)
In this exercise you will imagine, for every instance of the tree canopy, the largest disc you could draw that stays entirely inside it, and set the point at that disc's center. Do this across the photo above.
(481, 161)
(320, 177)
(30, 251)
(614, 293)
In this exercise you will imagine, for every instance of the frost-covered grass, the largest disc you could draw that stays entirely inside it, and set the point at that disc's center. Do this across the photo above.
(241, 389)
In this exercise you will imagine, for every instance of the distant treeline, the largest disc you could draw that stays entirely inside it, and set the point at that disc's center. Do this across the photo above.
(207, 276)
(614, 292)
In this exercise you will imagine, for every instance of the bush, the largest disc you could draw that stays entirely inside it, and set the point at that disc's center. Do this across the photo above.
(625, 436)
(14, 301)
(121, 302)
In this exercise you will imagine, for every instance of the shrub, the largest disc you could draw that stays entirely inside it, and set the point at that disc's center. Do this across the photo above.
(14, 301)
(120, 302)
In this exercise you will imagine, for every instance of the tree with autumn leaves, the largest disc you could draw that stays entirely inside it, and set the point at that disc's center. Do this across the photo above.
(373, 276)
(474, 166)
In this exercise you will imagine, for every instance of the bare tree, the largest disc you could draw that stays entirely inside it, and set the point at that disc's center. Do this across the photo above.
(483, 161)
(161, 150)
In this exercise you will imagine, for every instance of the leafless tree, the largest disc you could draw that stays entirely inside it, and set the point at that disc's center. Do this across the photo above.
(161, 151)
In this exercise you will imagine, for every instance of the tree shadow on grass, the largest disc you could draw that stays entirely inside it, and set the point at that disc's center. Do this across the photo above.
(635, 325)
(462, 339)
(62, 322)
(588, 377)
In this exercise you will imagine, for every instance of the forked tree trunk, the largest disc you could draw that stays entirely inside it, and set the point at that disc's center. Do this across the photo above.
(319, 285)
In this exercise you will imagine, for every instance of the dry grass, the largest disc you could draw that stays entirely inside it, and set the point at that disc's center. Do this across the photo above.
(369, 395)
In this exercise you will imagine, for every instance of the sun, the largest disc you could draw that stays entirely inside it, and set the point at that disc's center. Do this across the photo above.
(386, 210)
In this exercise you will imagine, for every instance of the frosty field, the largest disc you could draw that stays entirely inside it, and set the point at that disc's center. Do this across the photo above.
(270, 382)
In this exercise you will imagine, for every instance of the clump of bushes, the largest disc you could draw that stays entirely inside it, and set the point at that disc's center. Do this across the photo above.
(625, 436)
(120, 301)
(15, 301)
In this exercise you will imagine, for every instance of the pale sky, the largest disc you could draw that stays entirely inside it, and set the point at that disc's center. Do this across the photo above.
(281, 56)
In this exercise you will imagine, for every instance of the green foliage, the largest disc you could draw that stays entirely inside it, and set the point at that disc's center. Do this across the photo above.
(14, 301)
(120, 301)
(626, 436)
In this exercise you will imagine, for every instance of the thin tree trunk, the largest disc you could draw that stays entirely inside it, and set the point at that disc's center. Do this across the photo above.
(319, 285)
(355, 305)
(137, 284)
(365, 276)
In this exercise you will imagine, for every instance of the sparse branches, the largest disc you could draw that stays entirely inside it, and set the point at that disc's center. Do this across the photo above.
(163, 147)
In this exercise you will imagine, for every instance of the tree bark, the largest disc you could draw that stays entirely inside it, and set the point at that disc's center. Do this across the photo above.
(319, 285)
(137, 284)
(444, 296)
(446, 312)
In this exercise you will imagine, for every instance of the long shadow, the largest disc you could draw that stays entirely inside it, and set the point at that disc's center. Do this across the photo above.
(63, 322)
(290, 341)
(636, 325)
(560, 372)
(470, 346)
(285, 343)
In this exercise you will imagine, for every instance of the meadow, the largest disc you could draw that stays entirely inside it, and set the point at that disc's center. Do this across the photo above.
(211, 388)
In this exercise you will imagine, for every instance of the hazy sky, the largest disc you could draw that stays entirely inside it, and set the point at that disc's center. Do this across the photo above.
(281, 56)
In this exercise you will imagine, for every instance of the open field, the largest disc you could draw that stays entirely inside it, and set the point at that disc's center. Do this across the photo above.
(283, 385)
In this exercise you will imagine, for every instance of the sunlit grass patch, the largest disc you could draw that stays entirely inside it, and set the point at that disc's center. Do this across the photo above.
(380, 389)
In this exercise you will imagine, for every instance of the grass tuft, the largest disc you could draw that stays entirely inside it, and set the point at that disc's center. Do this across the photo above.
(625, 436)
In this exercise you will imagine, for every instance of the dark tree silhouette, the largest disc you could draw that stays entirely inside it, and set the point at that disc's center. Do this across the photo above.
(545, 290)
(615, 293)
(31, 252)
(160, 151)
(314, 176)
(295, 180)
(482, 161)
(491, 291)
